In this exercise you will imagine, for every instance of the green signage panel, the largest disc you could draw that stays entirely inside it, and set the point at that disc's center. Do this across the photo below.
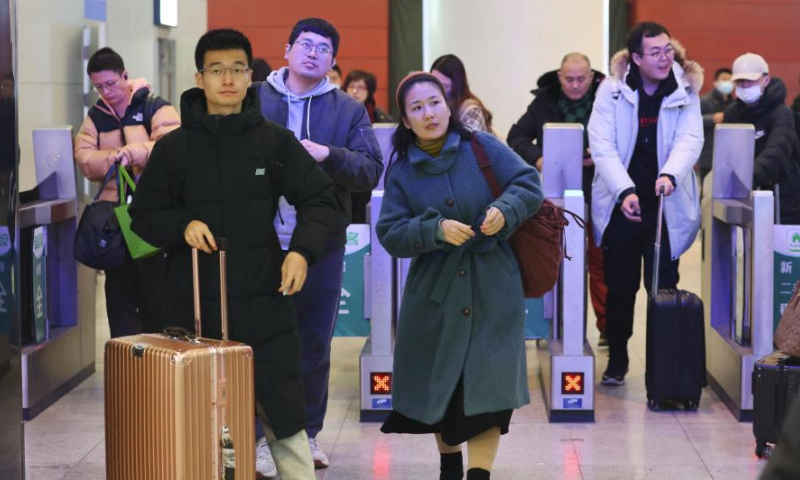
(351, 321)
(40, 283)
(786, 240)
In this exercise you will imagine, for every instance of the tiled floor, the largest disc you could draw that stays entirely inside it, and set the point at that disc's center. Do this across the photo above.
(627, 441)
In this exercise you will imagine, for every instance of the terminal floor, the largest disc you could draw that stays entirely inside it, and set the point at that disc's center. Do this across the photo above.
(625, 442)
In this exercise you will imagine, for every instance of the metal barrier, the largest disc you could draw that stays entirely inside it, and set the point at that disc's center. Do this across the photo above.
(737, 269)
(377, 356)
(61, 352)
(567, 364)
(381, 304)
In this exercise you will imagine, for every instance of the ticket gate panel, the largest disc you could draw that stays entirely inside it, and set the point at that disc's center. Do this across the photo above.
(562, 165)
(567, 383)
(377, 356)
(375, 376)
(567, 363)
(737, 270)
(384, 133)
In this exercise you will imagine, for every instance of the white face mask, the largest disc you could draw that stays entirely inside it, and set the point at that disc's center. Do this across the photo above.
(749, 94)
(724, 87)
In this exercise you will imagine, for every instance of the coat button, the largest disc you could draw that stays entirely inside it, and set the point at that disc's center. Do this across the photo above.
(465, 312)
(417, 246)
(462, 273)
(449, 202)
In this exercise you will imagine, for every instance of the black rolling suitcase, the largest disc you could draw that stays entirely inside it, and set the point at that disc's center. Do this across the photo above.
(776, 381)
(676, 348)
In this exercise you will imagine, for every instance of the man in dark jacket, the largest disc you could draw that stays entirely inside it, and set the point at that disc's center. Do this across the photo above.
(336, 131)
(220, 174)
(712, 106)
(566, 95)
(760, 101)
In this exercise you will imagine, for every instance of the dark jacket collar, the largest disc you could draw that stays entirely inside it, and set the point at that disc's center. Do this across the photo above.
(548, 84)
(194, 112)
(665, 88)
(774, 94)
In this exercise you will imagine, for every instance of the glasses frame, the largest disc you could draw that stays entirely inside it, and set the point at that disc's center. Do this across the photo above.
(226, 70)
(105, 86)
(668, 52)
(306, 47)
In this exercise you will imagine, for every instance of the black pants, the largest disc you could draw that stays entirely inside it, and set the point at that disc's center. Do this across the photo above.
(625, 243)
(317, 307)
(135, 295)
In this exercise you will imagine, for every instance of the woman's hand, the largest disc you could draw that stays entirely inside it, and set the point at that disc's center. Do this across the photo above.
(493, 222)
(456, 233)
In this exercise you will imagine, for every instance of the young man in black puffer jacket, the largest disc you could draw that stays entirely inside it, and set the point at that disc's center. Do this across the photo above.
(220, 174)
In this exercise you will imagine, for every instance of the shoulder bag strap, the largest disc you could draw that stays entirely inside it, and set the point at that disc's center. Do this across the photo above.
(112, 171)
(485, 165)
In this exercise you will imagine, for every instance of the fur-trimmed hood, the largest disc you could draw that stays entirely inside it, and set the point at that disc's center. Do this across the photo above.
(692, 71)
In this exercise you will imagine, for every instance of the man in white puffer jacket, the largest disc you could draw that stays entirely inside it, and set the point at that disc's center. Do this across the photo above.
(646, 134)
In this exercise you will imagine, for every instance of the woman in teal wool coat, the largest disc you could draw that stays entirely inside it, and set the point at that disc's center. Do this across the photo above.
(459, 367)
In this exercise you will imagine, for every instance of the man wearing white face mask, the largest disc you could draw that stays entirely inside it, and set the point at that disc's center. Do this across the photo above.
(712, 106)
(761, 101)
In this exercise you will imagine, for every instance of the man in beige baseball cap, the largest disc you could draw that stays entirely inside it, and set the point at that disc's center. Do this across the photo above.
(751, 77)
(761, 101)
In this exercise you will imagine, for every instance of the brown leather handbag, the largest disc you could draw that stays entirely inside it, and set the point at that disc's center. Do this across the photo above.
(787, 336)
(538, 243)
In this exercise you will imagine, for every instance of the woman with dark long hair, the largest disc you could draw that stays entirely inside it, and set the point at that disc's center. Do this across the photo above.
(362, 85)
(459, 364)
(450, 70)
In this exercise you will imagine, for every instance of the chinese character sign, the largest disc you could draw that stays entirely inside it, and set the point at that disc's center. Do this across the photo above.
(786, 239)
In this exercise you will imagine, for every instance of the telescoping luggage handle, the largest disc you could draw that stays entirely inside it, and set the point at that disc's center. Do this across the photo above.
(657, 253)
(222, 246)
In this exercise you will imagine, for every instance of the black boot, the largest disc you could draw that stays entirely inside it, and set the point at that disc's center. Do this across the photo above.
(477, 474)
(451, 466)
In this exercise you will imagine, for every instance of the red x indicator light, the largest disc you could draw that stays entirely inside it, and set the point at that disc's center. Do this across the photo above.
(572, 383)
(381, 383)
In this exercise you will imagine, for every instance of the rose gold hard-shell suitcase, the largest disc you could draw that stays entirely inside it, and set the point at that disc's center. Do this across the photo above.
(179, 406)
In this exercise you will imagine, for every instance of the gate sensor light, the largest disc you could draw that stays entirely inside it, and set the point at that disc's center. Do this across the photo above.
(572, 383)
(381, 383)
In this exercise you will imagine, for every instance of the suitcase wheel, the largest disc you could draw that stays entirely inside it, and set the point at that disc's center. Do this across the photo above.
(653, 405)
(763, 450)
(692, 405)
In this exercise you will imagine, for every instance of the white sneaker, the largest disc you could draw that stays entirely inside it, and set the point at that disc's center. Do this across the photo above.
(265, 465)
(320, 459)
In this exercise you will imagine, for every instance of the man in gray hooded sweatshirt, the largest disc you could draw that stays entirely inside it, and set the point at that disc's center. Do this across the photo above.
(336, 131)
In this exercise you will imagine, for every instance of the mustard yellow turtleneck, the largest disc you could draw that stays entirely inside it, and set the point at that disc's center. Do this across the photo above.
(433, 148)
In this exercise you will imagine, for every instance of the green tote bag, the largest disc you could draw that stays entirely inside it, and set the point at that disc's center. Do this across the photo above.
(137, 247)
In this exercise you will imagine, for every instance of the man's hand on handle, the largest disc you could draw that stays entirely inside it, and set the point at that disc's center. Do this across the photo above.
(666, 183)
(198, 236)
